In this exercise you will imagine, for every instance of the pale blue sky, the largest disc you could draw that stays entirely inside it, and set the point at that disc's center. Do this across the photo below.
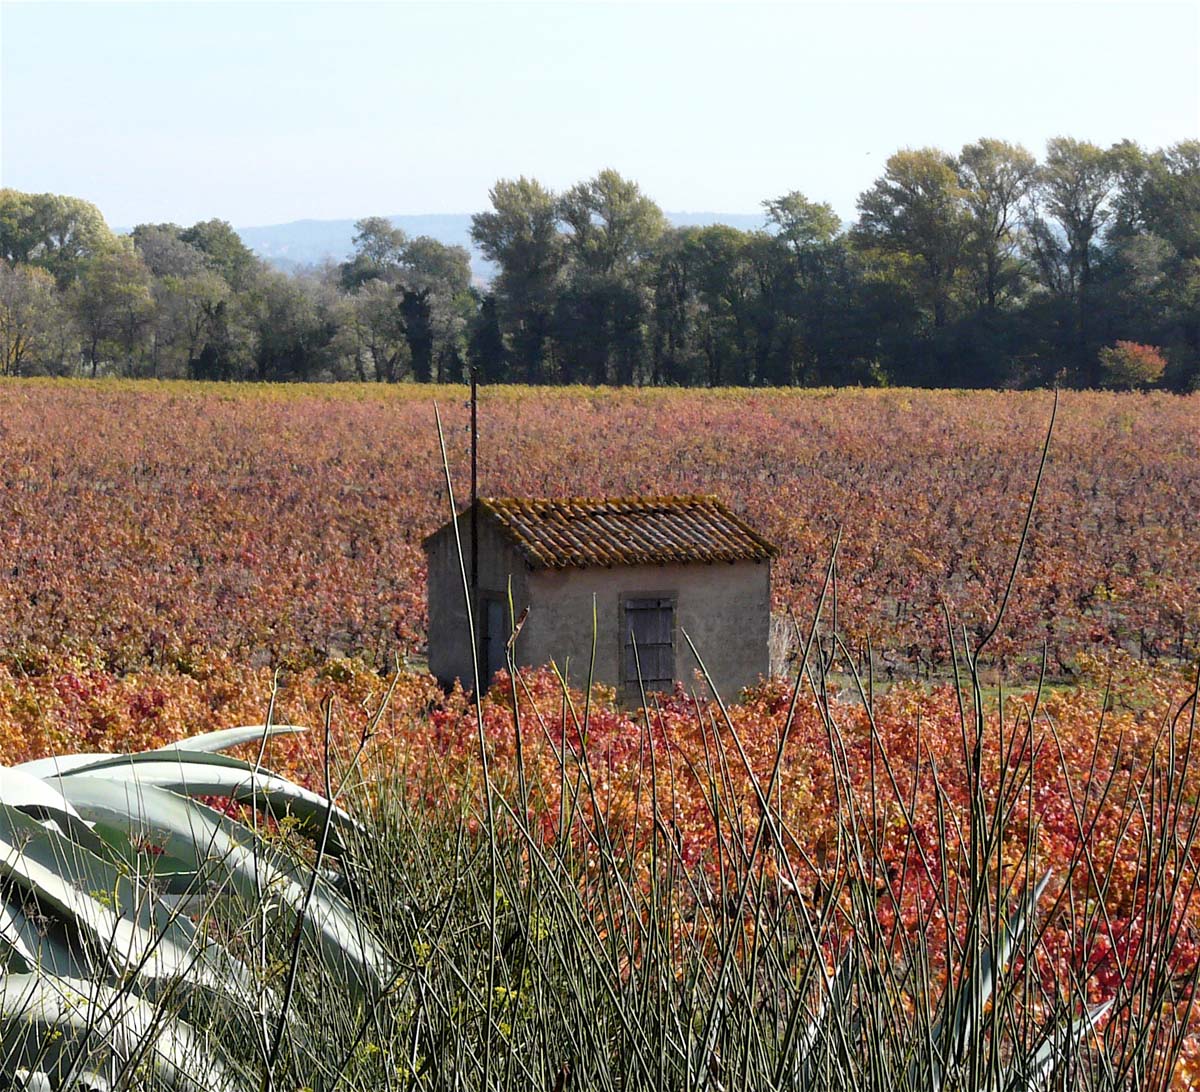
(264, 112)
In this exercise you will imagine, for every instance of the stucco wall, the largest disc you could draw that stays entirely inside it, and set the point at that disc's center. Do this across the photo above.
(449, 637)
(724, 608)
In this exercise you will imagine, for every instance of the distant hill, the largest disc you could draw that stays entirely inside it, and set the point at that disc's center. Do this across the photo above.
(312, 242)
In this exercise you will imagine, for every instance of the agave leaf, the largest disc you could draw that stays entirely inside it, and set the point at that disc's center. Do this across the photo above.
(1051, 1052)
(231, 737)
(21, 790)
(37, 1080)
(196, 773)
(17, 949)
(975, 995)
(121, 928)
(972, 1001)
(834, 996)
(54, 765)
(225, 855)
(75, 1033)
(179, 756)
(34, 942)
(204, 742)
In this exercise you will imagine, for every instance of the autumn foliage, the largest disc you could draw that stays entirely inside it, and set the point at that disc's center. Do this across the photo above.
(865, 793)
(177, 559)
(1127, 364)
(148, 525)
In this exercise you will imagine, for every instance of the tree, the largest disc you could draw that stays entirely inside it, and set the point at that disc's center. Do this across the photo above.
(294, 327)
(412, 301)
(725, 286)
(1156, 236)
(1073, 191)
(799, 268)
(1160, 194)
(439, 305)
(611, 225)
(380, 330)
(417, 313)
(165, 253)
(29, 312)
(378, 252)
(612, 229)
(802, 225)
(675, 354)
(190, 324)
(918, 212)
(431, 262)
(112, 304)
(486, 353)
(1128, 364)
(225, 251)
(521, 236)
(58, 233)
(996, 178)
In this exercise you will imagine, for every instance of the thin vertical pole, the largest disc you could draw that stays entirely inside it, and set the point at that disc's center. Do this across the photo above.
(474, 479)
(475, 511)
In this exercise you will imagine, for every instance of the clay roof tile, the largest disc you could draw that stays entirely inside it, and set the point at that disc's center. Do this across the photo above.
(577, 532)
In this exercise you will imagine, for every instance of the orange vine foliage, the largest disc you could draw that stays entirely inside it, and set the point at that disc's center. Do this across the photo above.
(166, 548)
(152, 524)
(683, 781)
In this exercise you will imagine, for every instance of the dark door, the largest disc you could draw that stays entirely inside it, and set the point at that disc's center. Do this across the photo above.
(495, 637)
(650, 643)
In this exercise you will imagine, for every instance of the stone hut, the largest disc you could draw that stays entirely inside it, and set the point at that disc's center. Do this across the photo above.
(639, 572)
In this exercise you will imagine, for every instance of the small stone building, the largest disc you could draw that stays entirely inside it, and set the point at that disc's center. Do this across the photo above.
(650, 568)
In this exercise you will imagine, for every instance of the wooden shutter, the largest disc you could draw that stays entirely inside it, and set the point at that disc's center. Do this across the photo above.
(495, 636)
(650, 642)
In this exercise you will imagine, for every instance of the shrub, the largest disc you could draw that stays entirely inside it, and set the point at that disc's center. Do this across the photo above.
(1127, 364)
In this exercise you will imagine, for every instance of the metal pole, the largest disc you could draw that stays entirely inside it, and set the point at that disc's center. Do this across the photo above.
(479, 629)
(474, 479)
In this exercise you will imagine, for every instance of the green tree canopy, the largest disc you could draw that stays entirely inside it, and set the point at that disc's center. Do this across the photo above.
(55, 232)
(996, 178)
(29, 312)
(800, 223)
(225, 251)
(1074, 188)
(378, 252)
(918, 211)
(520, 234)
(611, 224)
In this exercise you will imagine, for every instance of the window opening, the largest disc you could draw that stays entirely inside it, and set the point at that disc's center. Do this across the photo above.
(650, 629)
(494, 637)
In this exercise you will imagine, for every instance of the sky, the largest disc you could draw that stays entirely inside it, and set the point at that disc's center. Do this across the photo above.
(261, 113)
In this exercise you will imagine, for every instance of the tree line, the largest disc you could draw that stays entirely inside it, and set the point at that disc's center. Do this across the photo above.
(982, 269)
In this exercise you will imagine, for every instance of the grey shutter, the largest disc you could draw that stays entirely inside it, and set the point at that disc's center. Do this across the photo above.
(650, 623)
(496, 637)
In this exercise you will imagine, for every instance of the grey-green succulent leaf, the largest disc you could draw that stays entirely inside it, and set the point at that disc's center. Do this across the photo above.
(198, 773)
(226, 856)
(56, 765)
(977, 991)
(225, 738)
(71, 1033)
(119, 924)
(1051, 1053)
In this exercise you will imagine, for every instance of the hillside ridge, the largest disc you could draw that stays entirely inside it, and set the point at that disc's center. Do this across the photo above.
(311, 242)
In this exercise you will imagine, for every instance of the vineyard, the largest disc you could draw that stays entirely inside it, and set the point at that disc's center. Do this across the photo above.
(171, 553)
(152, 526)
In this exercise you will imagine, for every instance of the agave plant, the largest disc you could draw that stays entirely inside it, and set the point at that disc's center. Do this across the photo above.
(960, 1048)
(109, 865)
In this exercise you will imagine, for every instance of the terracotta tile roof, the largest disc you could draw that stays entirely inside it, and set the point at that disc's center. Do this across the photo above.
(577, 532)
